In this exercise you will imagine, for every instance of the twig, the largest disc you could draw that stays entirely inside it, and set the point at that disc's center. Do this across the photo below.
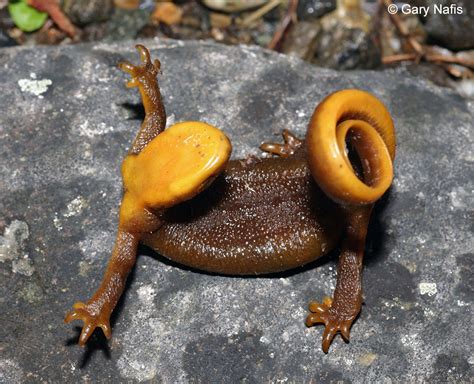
(290, 16)
(54, 11)
(429, 57)
(452, 60)
(260, 12)
(400, 57)
(453, 70)
(403, 30)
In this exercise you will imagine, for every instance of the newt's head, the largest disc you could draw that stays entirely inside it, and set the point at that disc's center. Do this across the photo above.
(141, 74)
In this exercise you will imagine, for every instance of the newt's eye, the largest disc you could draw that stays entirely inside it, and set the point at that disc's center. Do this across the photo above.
(177, 164)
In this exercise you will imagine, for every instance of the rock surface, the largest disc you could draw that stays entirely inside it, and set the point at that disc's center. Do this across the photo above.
(314, 9)
(5, 39)
(83, 12)
(66, 124)
(452, 27)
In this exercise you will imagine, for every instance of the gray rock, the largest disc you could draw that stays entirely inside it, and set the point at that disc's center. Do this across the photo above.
(314, 9)
(341, 47)
(6, 40)
(126, 24)
(332, 43)
(66, 124)
(452, 29)
(83, 12)
(302, 40)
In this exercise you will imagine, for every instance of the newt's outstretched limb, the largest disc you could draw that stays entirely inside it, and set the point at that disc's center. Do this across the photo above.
(337, 315)
(162, 169)
(96, 312)
(360, 119)
(144, 77)
(290, 146)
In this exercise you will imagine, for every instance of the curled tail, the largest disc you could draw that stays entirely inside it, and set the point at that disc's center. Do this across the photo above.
(361, 119)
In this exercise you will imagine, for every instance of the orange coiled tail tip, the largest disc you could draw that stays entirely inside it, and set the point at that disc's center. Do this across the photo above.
(361, 120)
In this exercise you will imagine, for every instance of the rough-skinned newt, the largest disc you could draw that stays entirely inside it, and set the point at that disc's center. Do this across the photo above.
(184, 198)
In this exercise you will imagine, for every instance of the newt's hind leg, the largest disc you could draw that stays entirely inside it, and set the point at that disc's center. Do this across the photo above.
(339, 313)
(291, 145)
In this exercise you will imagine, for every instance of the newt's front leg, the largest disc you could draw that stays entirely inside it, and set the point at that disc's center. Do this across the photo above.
(162, 169)
(289, 148)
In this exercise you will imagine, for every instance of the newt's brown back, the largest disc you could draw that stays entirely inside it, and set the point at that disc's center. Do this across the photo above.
(261, 218)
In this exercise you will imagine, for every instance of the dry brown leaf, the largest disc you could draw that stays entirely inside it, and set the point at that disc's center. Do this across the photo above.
(54, 11)
(219, 20)
(127, 4)
(168, 13)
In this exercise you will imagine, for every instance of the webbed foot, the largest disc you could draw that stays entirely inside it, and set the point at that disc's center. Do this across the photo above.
(292, 143)
(148, 70)
(334, 322)
(92, 317)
